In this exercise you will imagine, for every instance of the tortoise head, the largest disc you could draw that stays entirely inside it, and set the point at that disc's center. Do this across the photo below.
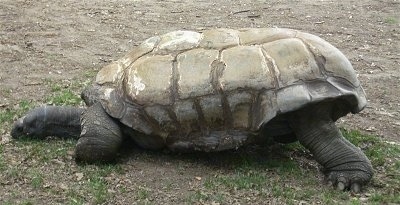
(61, 121)
(18, 128)
(27, 126)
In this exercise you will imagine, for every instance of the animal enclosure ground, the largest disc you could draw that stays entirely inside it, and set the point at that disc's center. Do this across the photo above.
(49, 50)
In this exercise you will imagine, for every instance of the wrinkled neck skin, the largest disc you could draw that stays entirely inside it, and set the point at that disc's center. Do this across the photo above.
(41, 122)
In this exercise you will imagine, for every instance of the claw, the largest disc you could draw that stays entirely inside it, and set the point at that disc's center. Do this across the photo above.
(356, 187)
(341, 186)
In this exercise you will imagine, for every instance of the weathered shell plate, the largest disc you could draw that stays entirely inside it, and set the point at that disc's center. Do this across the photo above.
(148, 80)
(194, 67)
(333, 61)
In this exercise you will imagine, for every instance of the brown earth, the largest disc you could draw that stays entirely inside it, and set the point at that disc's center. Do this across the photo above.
(63, 40)
(66, 41)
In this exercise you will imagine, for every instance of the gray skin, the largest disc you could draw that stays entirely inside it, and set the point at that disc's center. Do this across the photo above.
(218, 90)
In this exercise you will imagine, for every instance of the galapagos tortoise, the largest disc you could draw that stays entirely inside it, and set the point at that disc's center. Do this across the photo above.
(217, 90)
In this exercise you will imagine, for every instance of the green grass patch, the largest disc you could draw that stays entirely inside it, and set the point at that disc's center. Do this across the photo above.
(7, 115)
(142, 193)
(2, 162)
(7, 93)
(64, 97)
(391, 20)
(65, 92)
(283, 179)
(36, 179)
(45, 150)
(242, 180)
(377, 151)
(90, 73)
(95, 184)
(198, 196)
(74, 198)
(98, 189)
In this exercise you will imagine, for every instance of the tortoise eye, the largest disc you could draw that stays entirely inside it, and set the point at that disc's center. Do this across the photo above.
(20, 129)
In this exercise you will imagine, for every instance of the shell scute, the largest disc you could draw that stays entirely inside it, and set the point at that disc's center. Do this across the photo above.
(177, 41)
(147, 80)
(245, 67)
(186, 115)
(293, 60)
(219, 38)
(320, 90)
(162, 118)
(240, 104)
(194, 68)
(110, 74)
(144, 48)
(292, 98)
(334, 60)
(257, 36)
(212, 110)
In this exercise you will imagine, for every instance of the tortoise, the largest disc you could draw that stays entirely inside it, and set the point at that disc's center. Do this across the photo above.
(215, 90)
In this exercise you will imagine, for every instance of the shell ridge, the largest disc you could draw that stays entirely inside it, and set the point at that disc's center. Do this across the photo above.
(255, 111)
(173, 117)
(273, 68)
(318, 57)
(131, 61)
(200, 117)
(174, 86)
(217, 70)
(252, 111)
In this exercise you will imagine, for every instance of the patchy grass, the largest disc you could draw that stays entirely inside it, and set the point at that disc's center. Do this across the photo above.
(66, 92)
(143, 194)
(45, 150)
(7, 115)
(44, 171)
(6, 92)
(2, 160)
(36, 179)
(391, 20)
(62, 96)
(287, 182)
(385, 158)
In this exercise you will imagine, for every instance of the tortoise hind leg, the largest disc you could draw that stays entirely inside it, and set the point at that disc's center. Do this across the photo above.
(345, 165)
(101, 136)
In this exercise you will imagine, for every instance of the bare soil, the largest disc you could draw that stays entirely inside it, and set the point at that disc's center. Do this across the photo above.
(67, 41)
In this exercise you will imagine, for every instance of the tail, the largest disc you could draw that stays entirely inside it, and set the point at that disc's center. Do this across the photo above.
(60, 121)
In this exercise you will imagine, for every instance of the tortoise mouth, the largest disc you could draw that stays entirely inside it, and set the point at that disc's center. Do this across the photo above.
(18, 129)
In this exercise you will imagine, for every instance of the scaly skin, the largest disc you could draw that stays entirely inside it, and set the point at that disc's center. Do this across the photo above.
(101, 136)
(345, 165)
(60, 121)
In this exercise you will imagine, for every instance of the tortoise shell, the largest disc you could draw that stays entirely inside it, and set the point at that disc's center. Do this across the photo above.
(218, 89)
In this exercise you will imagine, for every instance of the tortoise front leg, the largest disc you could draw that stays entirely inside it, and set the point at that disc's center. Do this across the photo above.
(345, 165)
(101, 136)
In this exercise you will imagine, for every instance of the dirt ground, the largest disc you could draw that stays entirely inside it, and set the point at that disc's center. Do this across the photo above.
(64, 41)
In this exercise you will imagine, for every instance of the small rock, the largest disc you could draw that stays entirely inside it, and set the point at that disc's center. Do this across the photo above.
(111, 191)
(79, 176)
(371, 129)
(63, 186)
(4, 139)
